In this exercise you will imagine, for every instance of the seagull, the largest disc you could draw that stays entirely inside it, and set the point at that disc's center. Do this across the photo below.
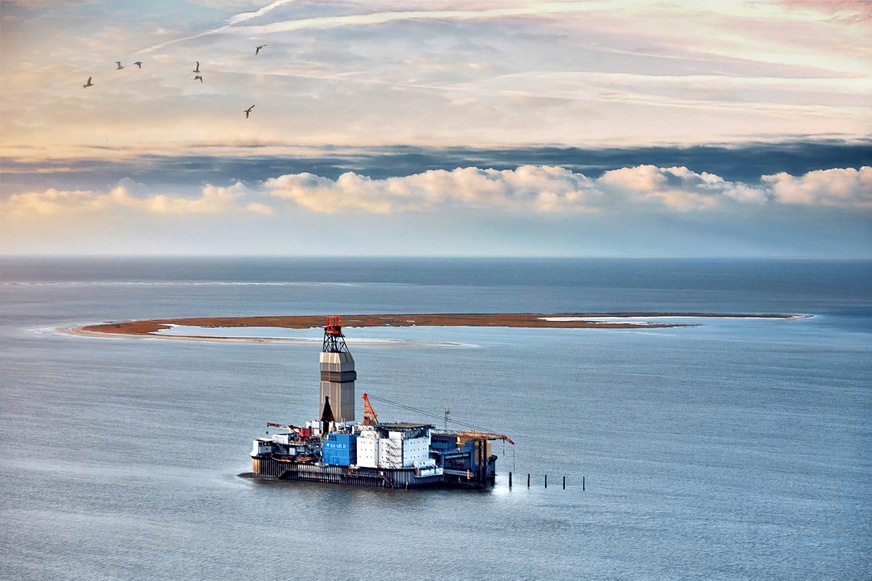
(257, 50)
(118, 67)
(247, 111)
(197, 70)
(88, 84)
(138, 63)
(199, 77)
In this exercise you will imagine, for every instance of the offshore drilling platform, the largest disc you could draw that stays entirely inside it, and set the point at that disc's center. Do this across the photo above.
(336, 449)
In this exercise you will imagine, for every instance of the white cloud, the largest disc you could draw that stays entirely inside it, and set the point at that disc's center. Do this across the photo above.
(843, 188)
(537, 188)
(259, 208)
(677, 188)
(53, 201)
(213, 200)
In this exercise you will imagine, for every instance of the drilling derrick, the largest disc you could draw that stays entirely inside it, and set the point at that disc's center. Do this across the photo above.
(337, 373)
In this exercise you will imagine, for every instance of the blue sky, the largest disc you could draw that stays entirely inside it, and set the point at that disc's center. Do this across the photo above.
(438, 128)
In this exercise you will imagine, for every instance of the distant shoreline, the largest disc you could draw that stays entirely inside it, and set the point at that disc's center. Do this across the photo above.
(152, 327)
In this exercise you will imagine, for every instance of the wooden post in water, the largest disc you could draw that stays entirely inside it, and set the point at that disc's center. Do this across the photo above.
(510, 479)
(528, 480)
(582, 483)
(546, 481)
(564, 483)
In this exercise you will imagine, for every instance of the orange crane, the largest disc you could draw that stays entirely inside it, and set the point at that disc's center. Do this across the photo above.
(369, 415)
(484, 435)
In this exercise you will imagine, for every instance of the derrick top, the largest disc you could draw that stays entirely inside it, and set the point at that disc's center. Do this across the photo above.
(334, 340)
(333, 327)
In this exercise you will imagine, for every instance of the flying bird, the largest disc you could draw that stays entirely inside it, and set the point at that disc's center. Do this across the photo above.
(88, 84)
(257, 50)
(197, 70)
(247, 111)
(118, 66)
(138, 63)
(199, 77)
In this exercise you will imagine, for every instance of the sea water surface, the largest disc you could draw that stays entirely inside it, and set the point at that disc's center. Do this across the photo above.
(733, 449)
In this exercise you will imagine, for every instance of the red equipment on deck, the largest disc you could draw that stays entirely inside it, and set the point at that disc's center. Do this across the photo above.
(369, 415)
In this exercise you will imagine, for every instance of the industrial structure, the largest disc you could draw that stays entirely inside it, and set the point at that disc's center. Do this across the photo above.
(337, 374)
(336, 449)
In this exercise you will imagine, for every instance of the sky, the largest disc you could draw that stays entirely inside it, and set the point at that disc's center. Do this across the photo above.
(609, 128)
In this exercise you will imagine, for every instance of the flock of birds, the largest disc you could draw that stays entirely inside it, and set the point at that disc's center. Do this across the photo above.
(196, 71)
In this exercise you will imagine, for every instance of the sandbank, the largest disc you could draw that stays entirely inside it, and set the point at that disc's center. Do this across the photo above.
(153, 327)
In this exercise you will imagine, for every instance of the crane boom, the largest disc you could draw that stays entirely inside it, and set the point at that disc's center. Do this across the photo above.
(485, 435)
(369, 415)
(272, 425)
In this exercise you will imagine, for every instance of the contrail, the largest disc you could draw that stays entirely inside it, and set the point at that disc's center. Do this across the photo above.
(260, 12)
(232, 21)
(325, 22)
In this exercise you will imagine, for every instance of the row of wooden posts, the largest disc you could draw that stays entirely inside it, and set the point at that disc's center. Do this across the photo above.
(546, 481)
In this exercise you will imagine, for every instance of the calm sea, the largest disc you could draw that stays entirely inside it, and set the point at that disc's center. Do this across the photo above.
(735, 449)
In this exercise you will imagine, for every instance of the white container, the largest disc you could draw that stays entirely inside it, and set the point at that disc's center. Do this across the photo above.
(368, 452)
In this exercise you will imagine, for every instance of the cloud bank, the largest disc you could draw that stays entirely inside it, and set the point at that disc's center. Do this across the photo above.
(548, 189)
(528, 189)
